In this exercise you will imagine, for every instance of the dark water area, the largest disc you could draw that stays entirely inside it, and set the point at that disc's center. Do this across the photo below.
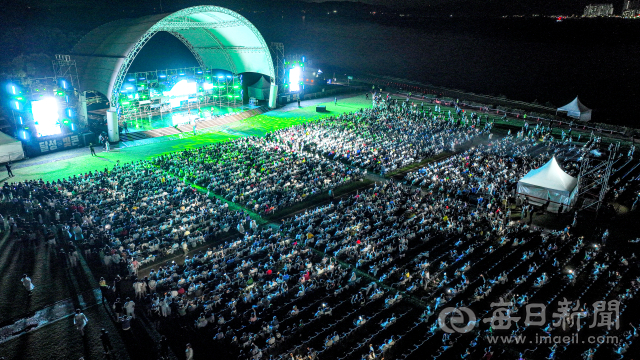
(523, 59)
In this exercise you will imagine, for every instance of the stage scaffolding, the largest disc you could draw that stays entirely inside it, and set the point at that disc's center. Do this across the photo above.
(277, 54)
(593, 180)
(142, 94)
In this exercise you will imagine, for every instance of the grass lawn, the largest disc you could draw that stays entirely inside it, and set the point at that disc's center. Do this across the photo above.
(64, 164)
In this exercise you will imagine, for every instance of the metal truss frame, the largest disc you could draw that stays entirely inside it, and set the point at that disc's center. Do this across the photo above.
(277, 48)
(65, 67)
(187, 23)
(180, 21)
(190, 47)
(237, 49)
(594, 178)
(215, 39)
(122, 73)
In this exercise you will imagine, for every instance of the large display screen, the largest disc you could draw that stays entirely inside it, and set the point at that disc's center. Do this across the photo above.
(46, 117)
(294, 79)
(180, 92)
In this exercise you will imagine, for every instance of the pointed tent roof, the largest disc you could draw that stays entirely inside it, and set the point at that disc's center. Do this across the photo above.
(550, 176)
(7, 139)
(261, 84)
(574, 108)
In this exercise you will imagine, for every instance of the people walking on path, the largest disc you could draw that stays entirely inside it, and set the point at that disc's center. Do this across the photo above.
(106, 342)
(9, 172)
(28, 285)
(80, 321)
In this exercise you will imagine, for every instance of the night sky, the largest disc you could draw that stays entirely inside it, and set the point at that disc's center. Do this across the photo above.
(16, 12)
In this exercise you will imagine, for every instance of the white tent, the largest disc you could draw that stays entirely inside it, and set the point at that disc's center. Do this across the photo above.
(260, 90)
(10, 149)
(577, 110)
(549, 183)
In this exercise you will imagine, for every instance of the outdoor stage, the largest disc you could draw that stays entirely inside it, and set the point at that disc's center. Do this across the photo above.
(184, 117)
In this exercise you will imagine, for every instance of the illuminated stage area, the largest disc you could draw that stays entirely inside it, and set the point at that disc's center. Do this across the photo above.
(186, 117)
(174, 97)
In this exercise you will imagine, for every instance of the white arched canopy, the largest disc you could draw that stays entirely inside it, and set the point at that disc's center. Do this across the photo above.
(217, 37)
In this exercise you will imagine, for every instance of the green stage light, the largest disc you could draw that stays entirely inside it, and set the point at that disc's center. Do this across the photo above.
(125, 103)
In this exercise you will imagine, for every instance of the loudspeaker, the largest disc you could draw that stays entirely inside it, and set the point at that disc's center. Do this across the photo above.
(321, 108)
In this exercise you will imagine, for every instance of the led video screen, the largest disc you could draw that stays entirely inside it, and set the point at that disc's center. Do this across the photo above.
(46, 117)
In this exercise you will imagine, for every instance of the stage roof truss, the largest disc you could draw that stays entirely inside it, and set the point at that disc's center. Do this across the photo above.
(218, 38)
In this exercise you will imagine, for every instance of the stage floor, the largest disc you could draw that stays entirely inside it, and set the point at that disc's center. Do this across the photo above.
(183, 117)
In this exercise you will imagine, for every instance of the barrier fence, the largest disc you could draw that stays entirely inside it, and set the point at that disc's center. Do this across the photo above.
(441, 95)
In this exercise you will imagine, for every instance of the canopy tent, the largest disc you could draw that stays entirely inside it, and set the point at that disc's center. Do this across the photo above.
(549, 183)
(260, 90)
(10, 149)
(577, 110)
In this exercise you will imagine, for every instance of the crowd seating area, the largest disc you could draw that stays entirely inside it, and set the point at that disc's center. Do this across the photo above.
(365, 276)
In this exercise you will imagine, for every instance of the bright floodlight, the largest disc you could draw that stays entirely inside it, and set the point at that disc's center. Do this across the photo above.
(207, 86)
(294, 78)
(45, 116)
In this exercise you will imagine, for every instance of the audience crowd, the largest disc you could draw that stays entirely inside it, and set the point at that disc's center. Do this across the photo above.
(364, 276)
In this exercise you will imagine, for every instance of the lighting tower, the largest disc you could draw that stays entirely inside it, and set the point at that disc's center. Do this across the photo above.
(277, 53)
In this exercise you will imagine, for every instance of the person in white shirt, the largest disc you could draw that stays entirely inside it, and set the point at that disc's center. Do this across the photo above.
(80, 321)
(129, 307)
(26, 282)
(189, 352)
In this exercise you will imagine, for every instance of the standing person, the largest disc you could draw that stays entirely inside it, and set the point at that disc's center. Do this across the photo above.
(107, 145)
(93, 151)
(9, 172)
(129, 307)
(104, 288)
(106, 342)
(126, 127)
(80, 321)
(117, 286)
(194, 126)
(164, 347)
(26, 282)
(298, 102)
(118, 308)
(189, 352)
(335, 101)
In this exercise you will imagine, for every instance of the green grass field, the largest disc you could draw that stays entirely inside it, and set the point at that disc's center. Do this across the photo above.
(60, 165)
